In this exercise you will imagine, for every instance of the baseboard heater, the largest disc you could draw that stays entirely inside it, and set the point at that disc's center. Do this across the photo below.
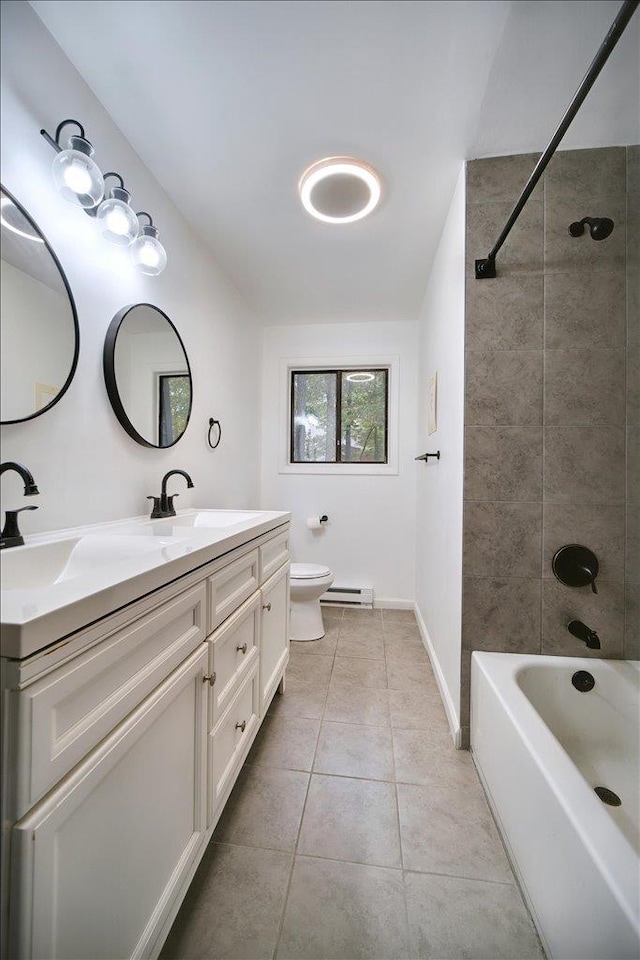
(348, 596)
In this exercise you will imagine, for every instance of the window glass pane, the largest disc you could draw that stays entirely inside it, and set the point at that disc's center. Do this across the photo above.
(175, 399)
(314, 417)
(364, 416)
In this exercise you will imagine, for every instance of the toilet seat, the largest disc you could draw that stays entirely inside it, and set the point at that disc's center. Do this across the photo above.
(308, 571)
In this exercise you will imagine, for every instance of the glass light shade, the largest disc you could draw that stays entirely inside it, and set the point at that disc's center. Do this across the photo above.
(76, 175)
(147, 253)
(116, 219)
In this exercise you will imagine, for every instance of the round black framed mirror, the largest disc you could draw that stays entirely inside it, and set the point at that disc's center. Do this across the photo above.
(147, 374)
(40, 336)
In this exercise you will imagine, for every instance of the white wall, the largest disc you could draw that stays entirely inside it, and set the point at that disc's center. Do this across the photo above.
(439, 488)
(86, 466)
(371, 531)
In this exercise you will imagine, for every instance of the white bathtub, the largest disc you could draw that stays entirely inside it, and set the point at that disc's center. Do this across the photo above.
(541, 747)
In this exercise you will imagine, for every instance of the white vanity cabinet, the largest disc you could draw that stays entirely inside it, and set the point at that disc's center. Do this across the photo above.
(120, 746)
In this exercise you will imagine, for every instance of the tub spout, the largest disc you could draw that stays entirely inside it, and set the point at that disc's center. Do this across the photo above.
(580, 630)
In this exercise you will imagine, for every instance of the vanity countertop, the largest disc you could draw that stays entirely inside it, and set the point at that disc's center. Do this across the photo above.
(61, 581)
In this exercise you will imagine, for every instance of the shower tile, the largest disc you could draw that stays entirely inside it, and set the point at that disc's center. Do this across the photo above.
(584, 387)
(584, 308)
(633, 384)
(503, 387)
(563, 252)
(349, 819)
(465, 691)
(264, 809)
(633, 462)
(352, 703)
(503, 463)
(522, 251)
(632, 621)
(337, 910)
(601, 527)
(633, 171)
(214, 921)
(505, 314)
(586, 175)
(602, 612)
(354, 750)
(287, 744)
(502, 539)
(367, 673)
(452, 917)
(632, 551)
(584, 464)
(434, 827)
(501, 614)
(499, 178)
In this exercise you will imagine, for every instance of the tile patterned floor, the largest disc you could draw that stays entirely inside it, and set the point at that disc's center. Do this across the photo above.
(355, 829)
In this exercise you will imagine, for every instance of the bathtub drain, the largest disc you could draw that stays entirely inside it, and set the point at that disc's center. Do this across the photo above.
(608, 796)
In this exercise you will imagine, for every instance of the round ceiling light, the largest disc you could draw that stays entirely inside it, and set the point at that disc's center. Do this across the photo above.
(339, 189)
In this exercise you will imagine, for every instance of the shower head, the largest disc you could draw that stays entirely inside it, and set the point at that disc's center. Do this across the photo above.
(599, 227)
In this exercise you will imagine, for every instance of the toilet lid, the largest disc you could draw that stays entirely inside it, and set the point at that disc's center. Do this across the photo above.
(307, 571)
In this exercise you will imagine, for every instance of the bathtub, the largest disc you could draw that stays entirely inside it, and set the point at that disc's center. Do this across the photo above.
(540, 747)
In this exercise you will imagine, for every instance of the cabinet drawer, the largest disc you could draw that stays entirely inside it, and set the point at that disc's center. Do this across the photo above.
(230, 741)
(65, 714)
(233, 649)
(231, 586)
(273, 554)
(274, 635)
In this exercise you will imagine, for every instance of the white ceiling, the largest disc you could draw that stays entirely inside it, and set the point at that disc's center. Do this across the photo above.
(227, 102)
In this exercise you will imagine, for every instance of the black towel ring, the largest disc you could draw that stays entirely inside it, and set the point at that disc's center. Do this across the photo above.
(214, 423)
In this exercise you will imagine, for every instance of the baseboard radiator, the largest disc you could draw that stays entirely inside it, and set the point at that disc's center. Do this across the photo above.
(348, 596)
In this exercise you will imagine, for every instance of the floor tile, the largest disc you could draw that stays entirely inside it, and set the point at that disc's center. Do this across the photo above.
(401, 630)
(405, 648)
(367, 673)
(410, 675)
(450, 918)
(348, 819)
(331, 613)
(300, 699)
(344, 910)
(354, 750)
(398, 616)
(284, 743)
(416, 709)
(353, 614)
(450, 831)
(325, 646)
(350, 703)
(302, 667)
(367, 646)
(429, 756)
(214, 922)
(264, 809)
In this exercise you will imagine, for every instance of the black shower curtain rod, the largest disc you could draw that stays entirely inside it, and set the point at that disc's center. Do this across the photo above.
(486, 267)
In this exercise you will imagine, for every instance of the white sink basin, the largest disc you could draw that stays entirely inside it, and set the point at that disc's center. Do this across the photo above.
(211, 519)
(41, 565)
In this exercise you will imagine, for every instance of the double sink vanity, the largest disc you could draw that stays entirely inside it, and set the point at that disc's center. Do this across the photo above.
(138, 661)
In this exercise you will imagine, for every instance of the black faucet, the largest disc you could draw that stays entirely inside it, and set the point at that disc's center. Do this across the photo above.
(163, 505)
(11, 536)
(584, 633)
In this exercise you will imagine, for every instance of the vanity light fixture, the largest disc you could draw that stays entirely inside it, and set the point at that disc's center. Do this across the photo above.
(339, 189)
(116, 218)
(12, 219)
(360, 376)
(80, 181)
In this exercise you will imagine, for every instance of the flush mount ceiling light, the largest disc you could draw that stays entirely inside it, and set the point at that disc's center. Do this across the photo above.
(360, 377)
(339, 189)
(13, 220)
(80, 180)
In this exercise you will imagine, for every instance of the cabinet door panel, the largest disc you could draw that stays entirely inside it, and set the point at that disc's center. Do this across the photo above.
(231, 586)
(67, 713)
(273, 555)
(97, 864)
(233, 651)
(274, 634)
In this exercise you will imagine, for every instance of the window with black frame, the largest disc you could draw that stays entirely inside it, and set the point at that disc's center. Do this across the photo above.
(174, 391)
(339, 416)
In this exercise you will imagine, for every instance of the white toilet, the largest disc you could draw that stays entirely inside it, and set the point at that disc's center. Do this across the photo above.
(308, 582)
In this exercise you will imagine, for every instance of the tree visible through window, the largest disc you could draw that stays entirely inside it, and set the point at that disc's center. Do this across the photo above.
(173, 408)
(339, 416)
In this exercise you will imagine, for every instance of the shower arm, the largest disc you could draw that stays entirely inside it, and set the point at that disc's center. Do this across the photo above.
(486, 268)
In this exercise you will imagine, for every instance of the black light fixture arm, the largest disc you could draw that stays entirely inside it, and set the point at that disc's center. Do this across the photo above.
(112, 173)
(55, 141)
(143, 213)
(486, 268)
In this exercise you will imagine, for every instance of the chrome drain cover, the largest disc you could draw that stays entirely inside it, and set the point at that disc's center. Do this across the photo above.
(608, 796)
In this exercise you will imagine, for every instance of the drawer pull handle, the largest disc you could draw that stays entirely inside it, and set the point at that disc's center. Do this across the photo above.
(267, 607)
(242, 648)
(241, 726)
(209, 679)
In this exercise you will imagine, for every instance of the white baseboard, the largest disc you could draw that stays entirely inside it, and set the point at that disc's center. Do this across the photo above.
(449, 708)
(392, 603)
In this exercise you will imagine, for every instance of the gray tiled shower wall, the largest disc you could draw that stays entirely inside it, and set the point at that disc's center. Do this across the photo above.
(551, 407)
